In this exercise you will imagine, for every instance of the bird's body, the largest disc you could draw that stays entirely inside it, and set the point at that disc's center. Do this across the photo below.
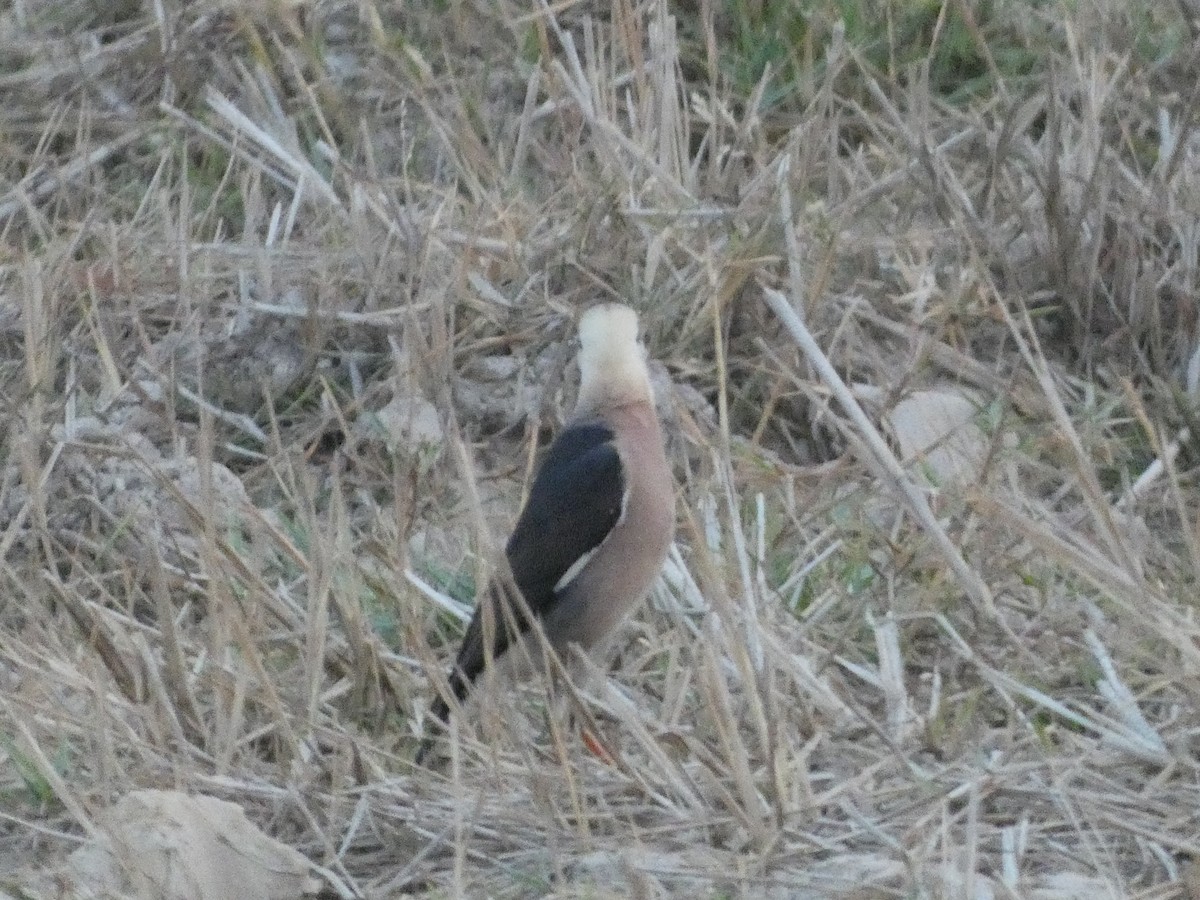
(633, 553)
(600, 517)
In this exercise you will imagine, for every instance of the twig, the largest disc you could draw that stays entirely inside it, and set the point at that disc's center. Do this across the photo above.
(878, 456)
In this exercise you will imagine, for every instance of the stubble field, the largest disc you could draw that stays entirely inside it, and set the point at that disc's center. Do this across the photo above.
(287, 294)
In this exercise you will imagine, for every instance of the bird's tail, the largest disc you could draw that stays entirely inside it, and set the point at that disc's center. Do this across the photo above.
(487, 636)
(439, 717)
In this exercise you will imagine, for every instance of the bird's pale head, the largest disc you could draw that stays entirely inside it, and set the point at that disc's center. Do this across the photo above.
(612, 361)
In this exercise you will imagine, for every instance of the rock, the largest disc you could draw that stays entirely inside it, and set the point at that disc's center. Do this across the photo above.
(175, 846)
(938, 430)
(410, 423)
(494, 368)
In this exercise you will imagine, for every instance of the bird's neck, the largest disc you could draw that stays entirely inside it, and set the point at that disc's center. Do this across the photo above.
(624, 385)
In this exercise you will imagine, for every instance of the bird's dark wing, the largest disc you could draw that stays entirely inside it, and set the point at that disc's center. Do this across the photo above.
(576, 500)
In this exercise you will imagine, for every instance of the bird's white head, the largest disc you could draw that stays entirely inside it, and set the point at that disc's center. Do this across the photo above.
(612, 362)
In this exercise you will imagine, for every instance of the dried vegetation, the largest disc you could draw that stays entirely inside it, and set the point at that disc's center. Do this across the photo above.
(285, 289)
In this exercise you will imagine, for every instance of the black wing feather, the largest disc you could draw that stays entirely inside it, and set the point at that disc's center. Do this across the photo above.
(574, 503)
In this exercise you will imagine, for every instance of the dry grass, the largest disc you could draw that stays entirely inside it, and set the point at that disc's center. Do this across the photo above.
(250, 250)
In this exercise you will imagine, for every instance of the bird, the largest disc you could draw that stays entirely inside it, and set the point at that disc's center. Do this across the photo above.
(594, 533)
